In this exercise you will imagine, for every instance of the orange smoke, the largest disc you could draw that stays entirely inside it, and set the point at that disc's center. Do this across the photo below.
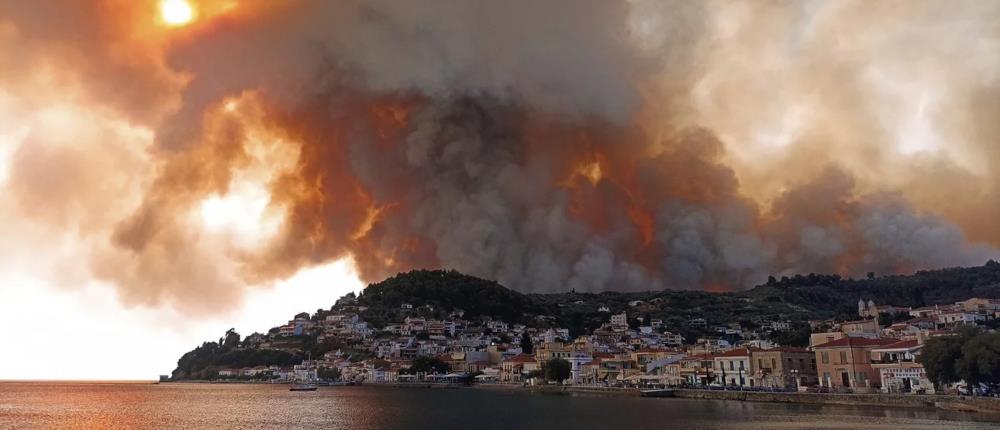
(384, 132)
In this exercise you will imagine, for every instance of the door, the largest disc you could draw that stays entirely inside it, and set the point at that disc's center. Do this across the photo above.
(845, 379)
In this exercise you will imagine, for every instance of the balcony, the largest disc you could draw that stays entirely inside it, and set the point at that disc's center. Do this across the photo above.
(894, 361)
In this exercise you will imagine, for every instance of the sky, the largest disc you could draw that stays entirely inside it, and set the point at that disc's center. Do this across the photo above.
(85, 334)
(174, 168)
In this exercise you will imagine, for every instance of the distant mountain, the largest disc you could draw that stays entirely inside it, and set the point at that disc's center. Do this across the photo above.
(442, 293)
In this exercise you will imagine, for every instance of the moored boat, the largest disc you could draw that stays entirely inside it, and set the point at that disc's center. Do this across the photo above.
(665, 392)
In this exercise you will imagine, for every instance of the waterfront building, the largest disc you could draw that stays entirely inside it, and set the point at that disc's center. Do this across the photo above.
(515, 368)
(898, 369)
(734, 367)
(846, 363)
(784, 367)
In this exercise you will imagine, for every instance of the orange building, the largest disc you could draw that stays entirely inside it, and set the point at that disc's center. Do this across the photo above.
(847, 363)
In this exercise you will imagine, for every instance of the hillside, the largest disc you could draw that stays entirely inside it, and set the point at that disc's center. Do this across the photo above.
(797, 298)
(831, 296)
(438, 294)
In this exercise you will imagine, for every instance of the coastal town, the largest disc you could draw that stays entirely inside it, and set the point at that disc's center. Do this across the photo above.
(876, 352)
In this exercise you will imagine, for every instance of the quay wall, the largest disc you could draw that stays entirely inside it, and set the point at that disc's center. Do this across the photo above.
(961, 403)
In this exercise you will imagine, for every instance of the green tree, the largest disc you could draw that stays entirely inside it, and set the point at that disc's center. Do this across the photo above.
(526, 346)
(231, 340)
(980, 360)
(887, 319)
(797, 336)
(328, 373)
(557, 370)
(940, 355)
(425, 364)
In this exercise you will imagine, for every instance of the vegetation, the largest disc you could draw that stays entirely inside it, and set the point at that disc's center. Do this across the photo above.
(972, 356)
(205, 361)
(328, 373)
(439, 293)
(556, 370)
(527, 346)
(797, 336)
(427, 365)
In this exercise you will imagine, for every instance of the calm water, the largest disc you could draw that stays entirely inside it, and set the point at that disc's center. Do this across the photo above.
(185, 406)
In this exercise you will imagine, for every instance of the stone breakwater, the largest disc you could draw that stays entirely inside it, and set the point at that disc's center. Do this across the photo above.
(957, 403)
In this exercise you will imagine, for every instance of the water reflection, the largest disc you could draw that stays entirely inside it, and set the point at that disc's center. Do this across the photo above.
(168, 406)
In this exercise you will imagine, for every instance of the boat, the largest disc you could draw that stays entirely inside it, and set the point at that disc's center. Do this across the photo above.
(304, 384)
(665, 392)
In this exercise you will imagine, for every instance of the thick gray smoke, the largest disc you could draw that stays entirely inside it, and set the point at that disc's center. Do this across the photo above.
(555, 145)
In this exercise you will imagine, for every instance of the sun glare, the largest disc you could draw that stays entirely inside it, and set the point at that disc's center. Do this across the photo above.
(176, 12)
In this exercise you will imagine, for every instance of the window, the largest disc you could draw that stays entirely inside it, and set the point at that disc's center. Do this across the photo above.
(773, 365)
(760, 363)
(843, 357)
(731, 367)
(826, 357)
(741, 364)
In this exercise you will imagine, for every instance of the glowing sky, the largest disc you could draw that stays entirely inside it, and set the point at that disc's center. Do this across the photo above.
(85, 334)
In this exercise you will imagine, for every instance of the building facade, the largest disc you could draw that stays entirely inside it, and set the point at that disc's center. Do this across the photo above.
(784, 367)
(846, 363)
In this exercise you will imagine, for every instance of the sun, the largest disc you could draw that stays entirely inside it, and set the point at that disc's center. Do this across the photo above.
(176, 12)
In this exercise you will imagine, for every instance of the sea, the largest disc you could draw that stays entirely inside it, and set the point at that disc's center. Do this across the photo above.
(93, 405)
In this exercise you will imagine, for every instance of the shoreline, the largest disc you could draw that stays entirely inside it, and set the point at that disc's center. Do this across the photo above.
(983, 405)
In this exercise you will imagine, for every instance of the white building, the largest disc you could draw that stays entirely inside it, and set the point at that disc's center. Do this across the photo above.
(959, 318)
(898, 368)
(619, 320)
(734, 367)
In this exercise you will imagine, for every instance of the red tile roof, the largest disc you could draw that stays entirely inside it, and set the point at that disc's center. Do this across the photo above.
(855, 342)
(856, 322)
(700, 357)
(522, 358)
(790, 349)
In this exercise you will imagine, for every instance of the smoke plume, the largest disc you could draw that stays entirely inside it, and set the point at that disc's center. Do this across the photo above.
(556, 145)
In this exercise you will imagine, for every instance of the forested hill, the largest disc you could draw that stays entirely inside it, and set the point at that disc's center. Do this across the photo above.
(797, 298)
(441, 294)
(832, 295)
